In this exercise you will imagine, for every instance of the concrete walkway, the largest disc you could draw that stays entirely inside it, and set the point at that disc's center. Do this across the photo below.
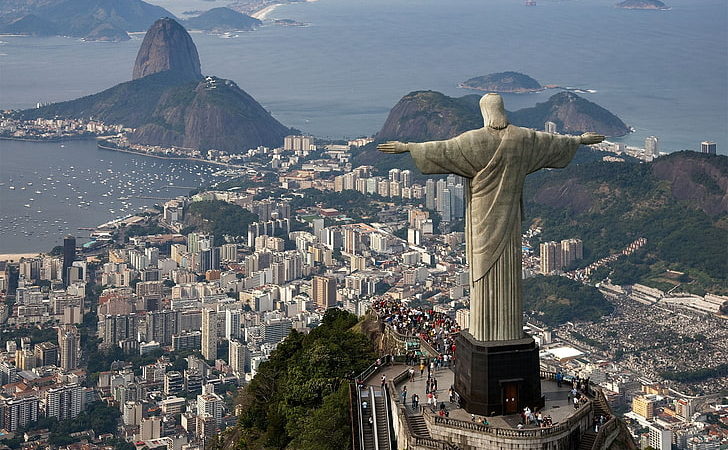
(557, 405)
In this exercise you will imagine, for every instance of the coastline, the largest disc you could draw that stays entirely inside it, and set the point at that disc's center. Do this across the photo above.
(59, 139)
(15, 257)
(263, 13)
(123, 150)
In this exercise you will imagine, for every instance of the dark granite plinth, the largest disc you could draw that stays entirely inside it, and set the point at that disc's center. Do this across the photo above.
(497, 377)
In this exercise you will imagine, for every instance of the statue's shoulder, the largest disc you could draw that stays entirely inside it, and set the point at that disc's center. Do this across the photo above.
(513, 131)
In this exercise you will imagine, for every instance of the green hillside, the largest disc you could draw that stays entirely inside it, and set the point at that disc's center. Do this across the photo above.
(677, 202)
(558, 300)
(299, 397)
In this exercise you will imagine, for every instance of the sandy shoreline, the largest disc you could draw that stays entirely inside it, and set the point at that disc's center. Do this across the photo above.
(263, 13)
(16, 256)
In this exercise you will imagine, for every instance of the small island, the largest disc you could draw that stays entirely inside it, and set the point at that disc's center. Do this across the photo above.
(643, 4)
(289, 23)
(503, 82)
(220, 20)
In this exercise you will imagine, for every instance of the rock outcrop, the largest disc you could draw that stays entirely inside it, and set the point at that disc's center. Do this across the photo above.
(169, 104)
(215, 114)
(697, 179)
(572, 115)
(167, 46)
(430, 115)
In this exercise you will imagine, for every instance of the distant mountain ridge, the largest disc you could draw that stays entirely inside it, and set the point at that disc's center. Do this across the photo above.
(169, 103)
(679, 202)
(572, 114)
(79, 18)
(430, 115)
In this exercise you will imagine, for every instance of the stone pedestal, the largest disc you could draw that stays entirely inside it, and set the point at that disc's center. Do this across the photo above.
(497, 377)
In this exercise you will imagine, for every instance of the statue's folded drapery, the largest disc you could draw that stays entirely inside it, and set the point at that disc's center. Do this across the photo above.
(496, 163)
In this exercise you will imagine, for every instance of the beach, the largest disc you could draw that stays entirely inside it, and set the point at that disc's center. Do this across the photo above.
(263, 13)
(15, 257)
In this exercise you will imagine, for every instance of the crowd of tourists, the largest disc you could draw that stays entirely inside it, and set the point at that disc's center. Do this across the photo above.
(436, 328)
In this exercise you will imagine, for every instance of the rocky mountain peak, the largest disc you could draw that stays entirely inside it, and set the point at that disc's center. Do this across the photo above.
(167, 46)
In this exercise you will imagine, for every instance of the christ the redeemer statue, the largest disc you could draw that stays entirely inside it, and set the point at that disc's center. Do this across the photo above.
(496, 160)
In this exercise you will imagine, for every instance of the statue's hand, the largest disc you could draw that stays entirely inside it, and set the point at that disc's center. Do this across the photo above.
(591, 138)
(392, 147)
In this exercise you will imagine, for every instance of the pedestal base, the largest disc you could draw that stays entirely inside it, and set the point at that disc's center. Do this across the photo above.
(497, 377)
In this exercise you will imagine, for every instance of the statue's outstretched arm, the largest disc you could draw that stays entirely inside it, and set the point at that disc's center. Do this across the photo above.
(590, 138)
(393, 147)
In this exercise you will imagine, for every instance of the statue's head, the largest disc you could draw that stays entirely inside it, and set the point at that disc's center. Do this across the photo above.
(494, 113)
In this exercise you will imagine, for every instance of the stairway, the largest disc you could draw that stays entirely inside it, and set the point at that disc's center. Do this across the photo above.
(417, 425)
(587, 440)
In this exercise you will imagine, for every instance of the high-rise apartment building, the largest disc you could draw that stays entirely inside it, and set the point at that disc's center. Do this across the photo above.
(406, 178)
(174, 383)
(239, 358)
(430, 194)
(210, 404)
(550, 257)
(457, 195)
(229, 252)
(324, 291)
(46, 353)
(64, 402)
(161, 326)
(298, 143)
(651, 148)
(69, 255)
(444, 205)
(17, 413)
(571, 250)
(209, 334)
(275, 330)
(232, 324)
(117, 327)
(644, 405)
(708, 147)
(69, 344)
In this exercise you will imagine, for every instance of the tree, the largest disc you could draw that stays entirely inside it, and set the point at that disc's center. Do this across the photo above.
(299, 397)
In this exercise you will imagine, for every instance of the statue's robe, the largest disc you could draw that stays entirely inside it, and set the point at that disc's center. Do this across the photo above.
(496, 163)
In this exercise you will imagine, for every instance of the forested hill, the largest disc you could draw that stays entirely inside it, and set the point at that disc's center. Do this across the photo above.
(678, 202)
(299, 398)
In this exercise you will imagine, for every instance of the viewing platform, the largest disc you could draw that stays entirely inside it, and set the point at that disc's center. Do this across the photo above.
(443, 424)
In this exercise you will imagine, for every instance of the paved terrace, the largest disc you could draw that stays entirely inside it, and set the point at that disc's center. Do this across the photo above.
(557, 403)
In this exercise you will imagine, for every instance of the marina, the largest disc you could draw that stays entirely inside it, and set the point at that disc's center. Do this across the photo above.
(63, 189)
